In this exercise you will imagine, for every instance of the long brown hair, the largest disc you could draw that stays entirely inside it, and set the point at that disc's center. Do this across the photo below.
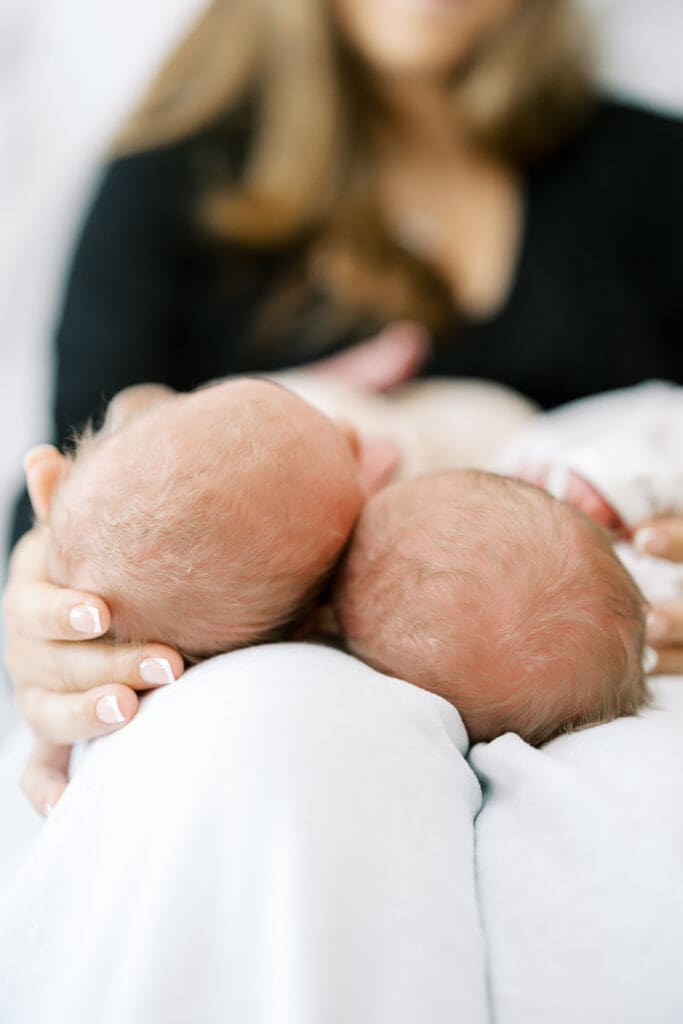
(309, 171)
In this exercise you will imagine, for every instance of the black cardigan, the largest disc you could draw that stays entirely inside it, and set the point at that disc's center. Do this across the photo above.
(596, 300)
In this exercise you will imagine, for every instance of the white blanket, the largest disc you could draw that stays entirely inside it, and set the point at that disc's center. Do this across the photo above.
(284, 836)
(580, 871)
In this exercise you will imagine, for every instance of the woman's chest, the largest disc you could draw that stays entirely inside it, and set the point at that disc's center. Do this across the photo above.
(572, 320)
(465, 219)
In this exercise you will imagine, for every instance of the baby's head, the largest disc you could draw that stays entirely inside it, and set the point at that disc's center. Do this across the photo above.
(207, 520)
(498, 597)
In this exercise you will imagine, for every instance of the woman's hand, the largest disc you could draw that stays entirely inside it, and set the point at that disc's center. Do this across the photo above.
(392, 357)
(664, 539)
(66, 689)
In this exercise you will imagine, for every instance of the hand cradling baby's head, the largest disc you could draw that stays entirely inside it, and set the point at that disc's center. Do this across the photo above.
(489, 592)
(207, 520)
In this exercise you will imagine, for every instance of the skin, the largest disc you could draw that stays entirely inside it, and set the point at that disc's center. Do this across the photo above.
(411, 47)
(470, 205)
(419, 39)
(60, 673)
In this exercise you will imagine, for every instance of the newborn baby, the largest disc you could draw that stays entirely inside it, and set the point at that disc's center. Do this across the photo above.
(494, 595)
(209, 520)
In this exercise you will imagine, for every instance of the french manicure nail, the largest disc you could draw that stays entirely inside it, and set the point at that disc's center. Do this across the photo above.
(48, 808)
(651, 541)
(650, 659)
(108, 711)
(85, 618)
(657, 623)
(157, 671)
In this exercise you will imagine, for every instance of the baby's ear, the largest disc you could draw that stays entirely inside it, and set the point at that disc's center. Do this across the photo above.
(378, 462)
(44, 467)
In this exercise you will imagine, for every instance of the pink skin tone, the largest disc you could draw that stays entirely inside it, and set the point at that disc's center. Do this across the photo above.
(417, 598)
(266, 475)
(417, 40)
(581, 494)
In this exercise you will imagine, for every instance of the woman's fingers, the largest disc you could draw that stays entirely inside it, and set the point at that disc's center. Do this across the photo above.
(34, 607)
(69, 668)
(665, 623)
(64, 718)
(46, 775)
(47, 612)
(665, 636)
(661, 537)
(392, 357)
(669, 662)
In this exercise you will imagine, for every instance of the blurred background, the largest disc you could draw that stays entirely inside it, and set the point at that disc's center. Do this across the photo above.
(68, 74)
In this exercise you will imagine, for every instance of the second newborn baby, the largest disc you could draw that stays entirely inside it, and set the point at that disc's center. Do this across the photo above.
(508, 603)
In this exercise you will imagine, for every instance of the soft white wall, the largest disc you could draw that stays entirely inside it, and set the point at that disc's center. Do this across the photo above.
(69, 70)
(641, 48)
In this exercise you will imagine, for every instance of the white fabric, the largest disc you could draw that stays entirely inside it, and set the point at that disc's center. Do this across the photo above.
(580, 844)
(284, 835)
(627, 443)
(580, 870)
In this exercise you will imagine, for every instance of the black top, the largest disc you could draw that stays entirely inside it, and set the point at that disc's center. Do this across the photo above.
(596, 301)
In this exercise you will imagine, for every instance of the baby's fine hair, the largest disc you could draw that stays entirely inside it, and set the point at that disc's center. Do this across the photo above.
(195, 537)
(508, 603)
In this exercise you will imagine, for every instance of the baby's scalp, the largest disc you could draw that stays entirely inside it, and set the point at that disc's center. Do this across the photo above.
(504, 601)
(207, 520)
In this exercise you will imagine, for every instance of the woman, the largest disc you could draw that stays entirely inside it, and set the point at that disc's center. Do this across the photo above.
(303, 174)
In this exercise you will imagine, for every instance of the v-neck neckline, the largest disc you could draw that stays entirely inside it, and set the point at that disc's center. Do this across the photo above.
(517, 269)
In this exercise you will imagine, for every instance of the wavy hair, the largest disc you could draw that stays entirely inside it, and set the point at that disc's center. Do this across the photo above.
(308, 176)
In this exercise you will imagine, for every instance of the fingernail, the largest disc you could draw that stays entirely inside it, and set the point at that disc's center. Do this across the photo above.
(108, 711)
(85, 618)
(157, 671)
(651, 541)
(35, 454)
(650, 659)
(48, 809)
(657, 624)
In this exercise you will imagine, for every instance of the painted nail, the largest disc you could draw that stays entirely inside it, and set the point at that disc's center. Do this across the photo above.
(48, 809)
(651, 541)
(657, 623)
(157, 671)
(108, 711)
(85, 618)
(650, 659)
